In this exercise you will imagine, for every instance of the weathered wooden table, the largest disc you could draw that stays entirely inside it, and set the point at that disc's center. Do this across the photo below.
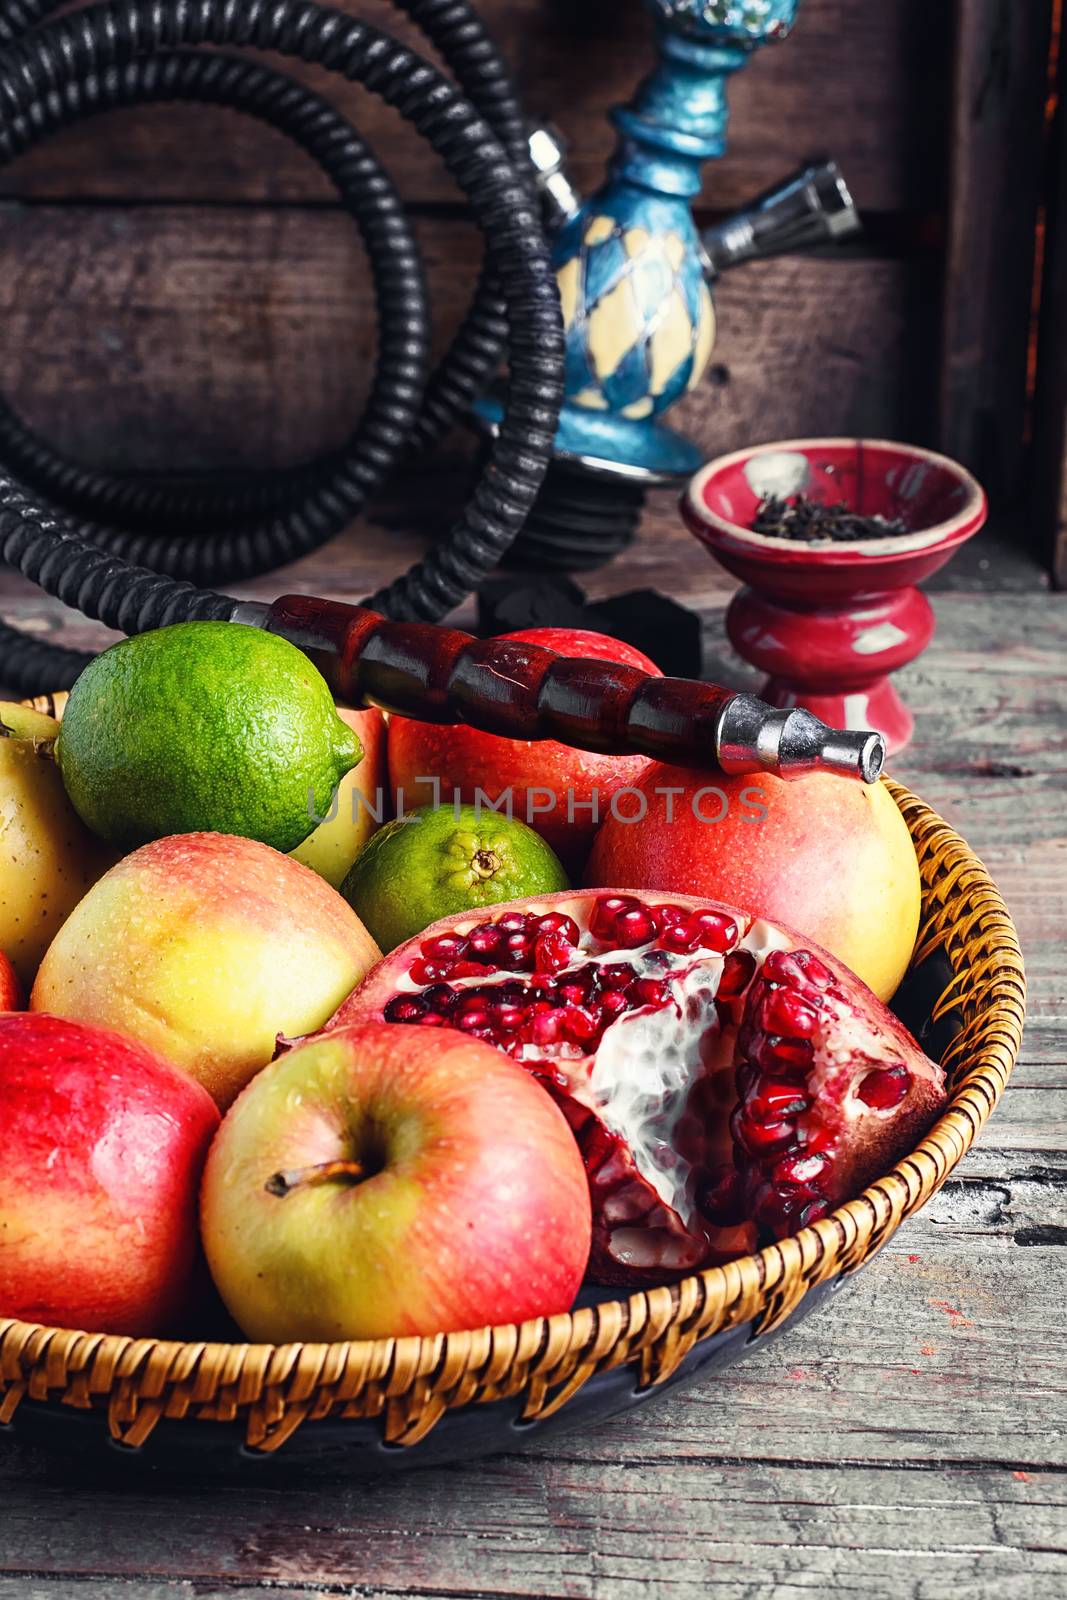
(911, 1440)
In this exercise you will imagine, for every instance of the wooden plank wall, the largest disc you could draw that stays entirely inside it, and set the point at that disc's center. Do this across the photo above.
(178, 287)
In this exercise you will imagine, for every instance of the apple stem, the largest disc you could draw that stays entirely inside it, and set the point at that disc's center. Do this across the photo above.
(283, 1183)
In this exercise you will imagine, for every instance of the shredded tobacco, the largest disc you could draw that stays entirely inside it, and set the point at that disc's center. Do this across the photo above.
(798, 517)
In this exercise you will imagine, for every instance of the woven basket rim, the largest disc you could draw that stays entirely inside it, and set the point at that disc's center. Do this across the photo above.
(551, 1357)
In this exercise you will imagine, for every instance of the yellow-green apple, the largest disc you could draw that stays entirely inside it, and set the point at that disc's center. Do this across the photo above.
(830, 857)
(358, 806)
(559, 791)
(101, 1149)
(206, 947)
(382, 1181)
(48, 858)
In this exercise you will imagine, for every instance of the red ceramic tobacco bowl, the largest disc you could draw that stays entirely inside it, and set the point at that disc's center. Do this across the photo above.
(829, 621)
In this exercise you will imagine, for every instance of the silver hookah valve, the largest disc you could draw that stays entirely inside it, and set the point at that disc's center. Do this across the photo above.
(560, 199)
(812, 207)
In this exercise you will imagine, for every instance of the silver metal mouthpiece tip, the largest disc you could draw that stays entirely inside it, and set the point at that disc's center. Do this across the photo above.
(792, 742)
(861, 754)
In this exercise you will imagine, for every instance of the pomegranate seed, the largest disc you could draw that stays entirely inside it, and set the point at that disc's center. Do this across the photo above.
(472, 1001)
(431, 1019)
(784, 1012)
(508, 1017)
(575, 992)
(761, 1138)
(606, 910)
(471, 1021)
(677, 937)
(445, 947)
(737, 972)
(613, 1003)
(885, 1087)
(647, 992)
(796, 967)
(578, 1024)
(785, 1057)
(514, 922)
(615, 974)
(483, 941)
(813, 969)
(545, 1028)
(404, 1008)
(552, 950)
(467, 969)
(422, 971)
(518, 951)
(773, 1101)
(634, 927)
(557, 922)
(440, 997)
(710, 930)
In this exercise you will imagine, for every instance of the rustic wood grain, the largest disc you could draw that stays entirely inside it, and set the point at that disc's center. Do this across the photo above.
(1000, 89)
(862, 81)
(193, 337)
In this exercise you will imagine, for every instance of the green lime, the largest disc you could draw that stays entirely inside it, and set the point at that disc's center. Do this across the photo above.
(436, 861)
(206, 727)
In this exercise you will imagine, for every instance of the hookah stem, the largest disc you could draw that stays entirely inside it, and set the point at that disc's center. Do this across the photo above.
(525, 691)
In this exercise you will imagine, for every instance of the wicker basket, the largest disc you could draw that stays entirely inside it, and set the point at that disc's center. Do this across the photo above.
(407, 1385)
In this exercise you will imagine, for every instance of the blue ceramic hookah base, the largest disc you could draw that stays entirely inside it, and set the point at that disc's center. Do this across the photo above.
(632, 276)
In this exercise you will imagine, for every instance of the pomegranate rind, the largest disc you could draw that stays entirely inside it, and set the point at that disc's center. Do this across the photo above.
(638, 1236)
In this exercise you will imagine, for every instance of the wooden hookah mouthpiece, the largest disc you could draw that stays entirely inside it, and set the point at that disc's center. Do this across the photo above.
(525, 691)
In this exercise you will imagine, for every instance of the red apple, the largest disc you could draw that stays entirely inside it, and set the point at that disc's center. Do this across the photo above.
(383, 1181)
(827, 856)
(11, 998)
(552, 785)
(101, 1150)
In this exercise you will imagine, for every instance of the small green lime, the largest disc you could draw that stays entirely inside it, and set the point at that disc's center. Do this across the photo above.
(436, 861)
(206, 727)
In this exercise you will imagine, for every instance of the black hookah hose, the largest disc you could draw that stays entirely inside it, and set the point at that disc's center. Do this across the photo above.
(152, 524)
(124, 53)
(213, 508)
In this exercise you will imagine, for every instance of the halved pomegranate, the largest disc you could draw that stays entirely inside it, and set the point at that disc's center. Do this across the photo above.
(725, 1080)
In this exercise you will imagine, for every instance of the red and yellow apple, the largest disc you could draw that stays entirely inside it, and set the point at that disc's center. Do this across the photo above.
(101, 1149)
(827, 856)
(206, 947)
(358, 808)
(382, 1181)
(552, 786)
